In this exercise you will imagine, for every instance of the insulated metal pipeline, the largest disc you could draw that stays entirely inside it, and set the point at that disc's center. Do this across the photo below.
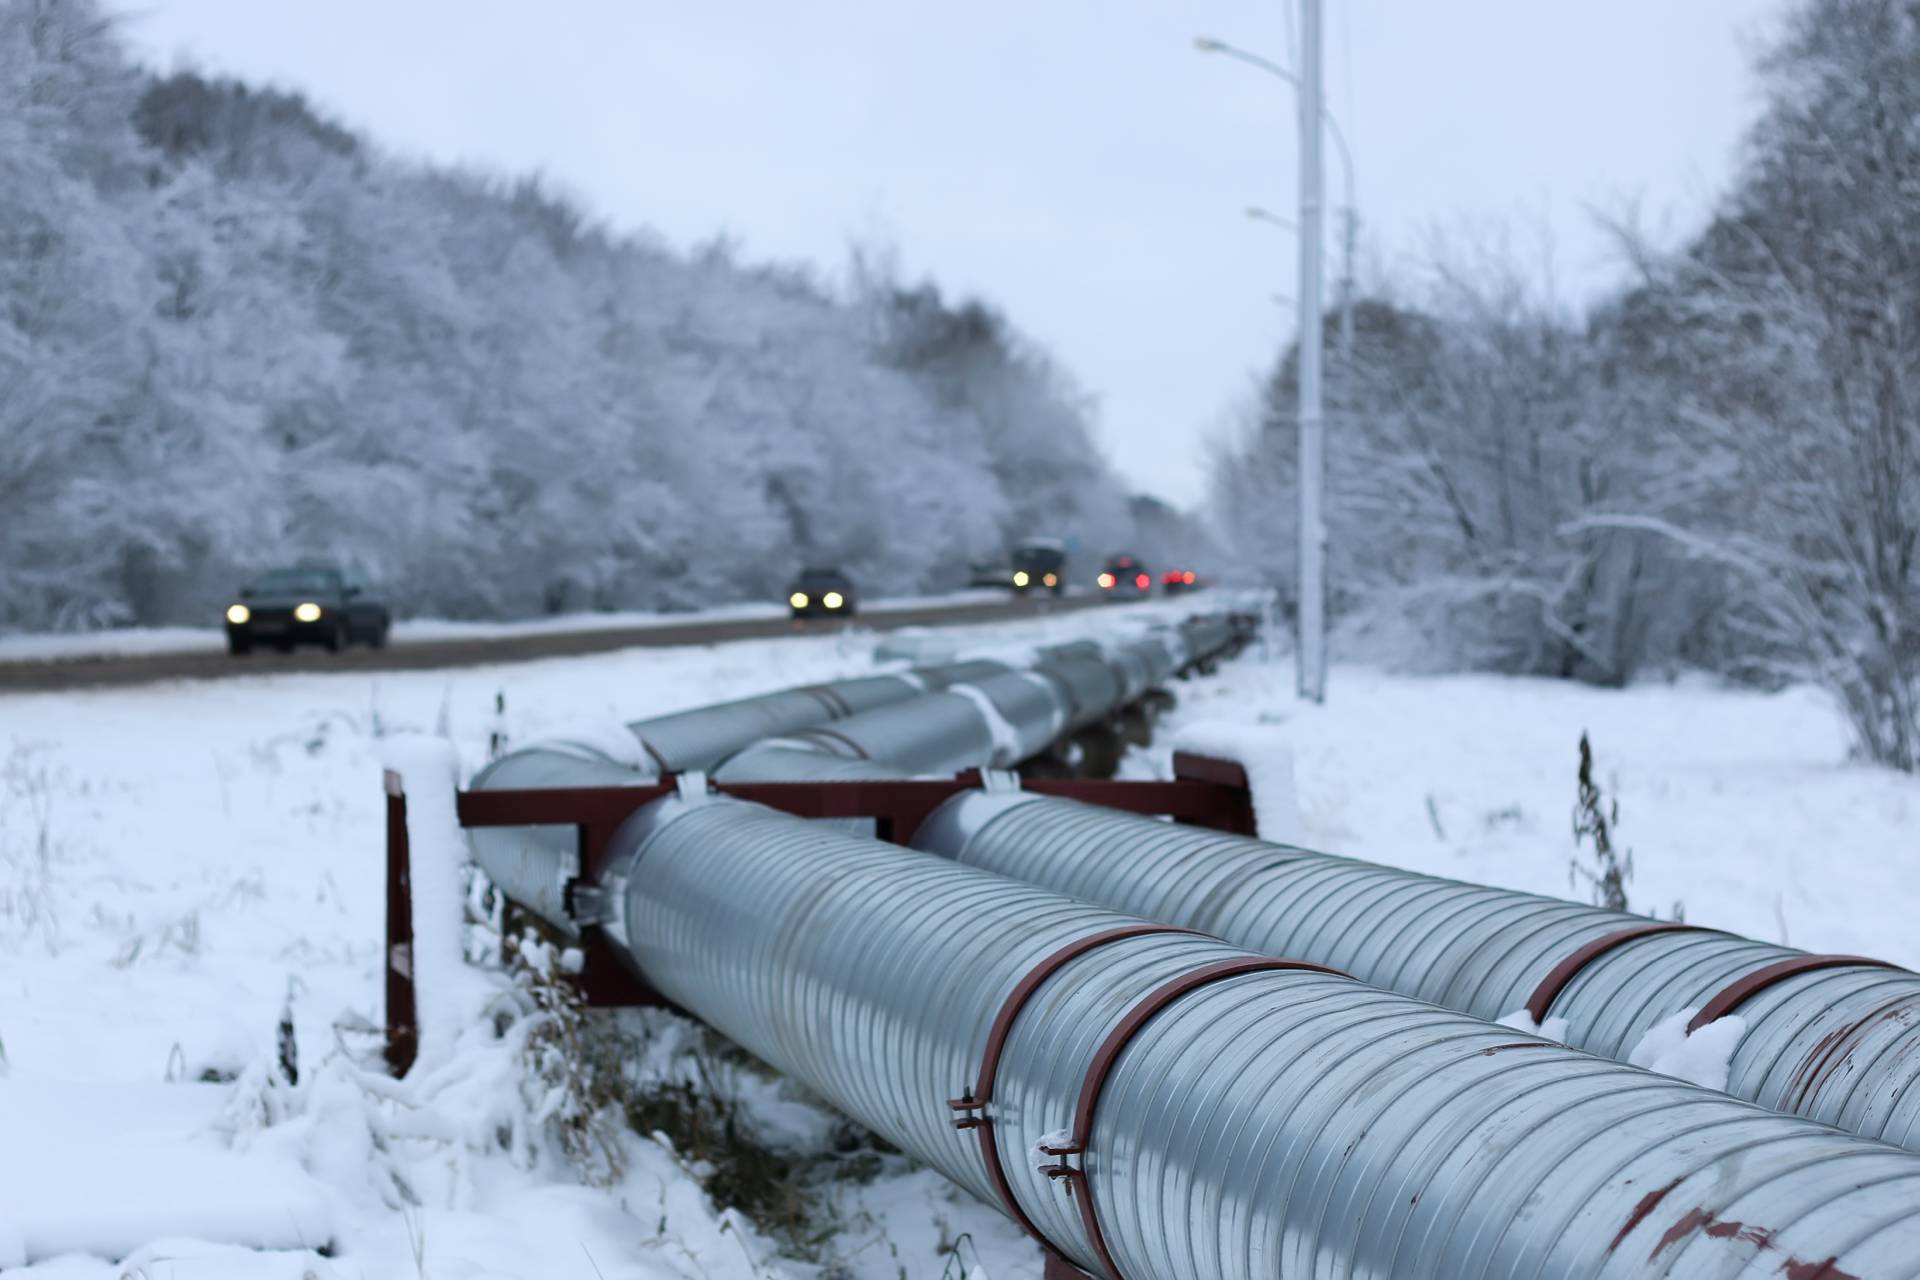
(1833, 1039)
(700, 738)
(1207, 636)
(990, 715)
(533, 865)
(1210, 1114)
(1090, 685)
(995, 721)
(952, 673)
(935, 733)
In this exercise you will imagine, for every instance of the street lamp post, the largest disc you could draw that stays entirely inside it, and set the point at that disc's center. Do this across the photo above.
(1311, 609)
(1349, 216)
(1311, 663)
(1256, 214)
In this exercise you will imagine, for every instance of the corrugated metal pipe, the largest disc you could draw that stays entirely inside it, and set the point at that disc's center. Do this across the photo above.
(1831, 1038)
(533, 865)
(1158, 1104)
(988, 715)
(994, 721)
(703, 736)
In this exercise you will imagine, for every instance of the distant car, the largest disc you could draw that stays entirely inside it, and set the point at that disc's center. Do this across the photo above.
(289, 607)
(1175, 581)
(822, 593)
(1040, 564)
(1125, 578)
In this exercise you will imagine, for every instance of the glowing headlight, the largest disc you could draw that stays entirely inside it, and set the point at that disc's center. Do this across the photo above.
(1020, 578)
(798, 599)
(1052, 580)
(833, 600)
(238, 614)
(308, 612)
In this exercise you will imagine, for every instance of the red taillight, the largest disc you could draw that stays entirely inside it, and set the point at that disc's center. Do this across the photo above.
(1143, 582)
(1171, 575)
(1187, 577)
(1106, 581)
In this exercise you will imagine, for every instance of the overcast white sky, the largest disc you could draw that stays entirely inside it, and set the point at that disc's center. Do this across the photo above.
(1074, 161)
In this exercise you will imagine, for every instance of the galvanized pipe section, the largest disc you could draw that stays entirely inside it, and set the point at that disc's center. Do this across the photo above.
(533, 865)
(997, 719)
(1090, 686)
(1840, 1044)
(1262, 1124)
(952, 673)
(935, 733)
(990, 715)
(700, 738)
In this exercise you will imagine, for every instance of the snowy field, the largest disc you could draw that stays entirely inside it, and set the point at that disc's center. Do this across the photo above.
(181, 863)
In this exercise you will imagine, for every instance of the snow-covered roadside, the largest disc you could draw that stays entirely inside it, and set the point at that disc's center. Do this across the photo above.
(179, 863)
(1741, 805)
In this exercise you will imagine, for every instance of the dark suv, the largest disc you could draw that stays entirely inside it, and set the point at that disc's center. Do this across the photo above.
(306, 606)
(1040, 565)
(818, 593)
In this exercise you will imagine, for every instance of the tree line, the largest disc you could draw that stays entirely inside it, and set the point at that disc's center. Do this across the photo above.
(1717, 466)
(234, 334)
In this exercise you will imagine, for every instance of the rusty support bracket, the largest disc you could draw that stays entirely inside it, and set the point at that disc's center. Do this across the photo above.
(972, 1103)
(1739, 991)
(1109, 1053)
(1568, 969)
(1203, 792)
(403, 1015)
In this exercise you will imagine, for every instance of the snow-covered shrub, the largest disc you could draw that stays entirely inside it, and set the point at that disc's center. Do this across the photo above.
(1594, 819)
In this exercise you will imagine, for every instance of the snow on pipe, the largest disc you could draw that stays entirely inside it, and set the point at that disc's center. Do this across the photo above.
(1834, 1038)
(1222, 1115)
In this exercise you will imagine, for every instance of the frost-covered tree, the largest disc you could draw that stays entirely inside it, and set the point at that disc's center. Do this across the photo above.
(1718, 465)
(233, 333)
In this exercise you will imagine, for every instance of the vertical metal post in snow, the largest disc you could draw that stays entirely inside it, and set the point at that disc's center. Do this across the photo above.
(1349, 228)
(1311, 616)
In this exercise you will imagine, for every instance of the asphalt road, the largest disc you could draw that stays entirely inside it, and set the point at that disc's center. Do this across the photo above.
(92, 671)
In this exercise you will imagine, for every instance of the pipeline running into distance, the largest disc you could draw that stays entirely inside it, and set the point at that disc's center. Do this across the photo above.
(937, 720)
(1159, 1105)
(1833, 1039)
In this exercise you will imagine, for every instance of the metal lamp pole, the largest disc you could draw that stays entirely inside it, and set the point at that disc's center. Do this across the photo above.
(1311, 611)
(1349, 216)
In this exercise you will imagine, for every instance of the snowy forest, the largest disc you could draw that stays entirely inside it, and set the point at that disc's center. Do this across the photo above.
(1718, 466)
(234, 334)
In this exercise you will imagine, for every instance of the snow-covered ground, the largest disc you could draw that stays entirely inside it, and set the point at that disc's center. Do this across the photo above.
(181, 862)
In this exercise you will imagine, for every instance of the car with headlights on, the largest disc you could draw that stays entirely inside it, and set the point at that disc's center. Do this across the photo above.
(822, 593)
(320, 606)
(1040, 564)
(1125, 578)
